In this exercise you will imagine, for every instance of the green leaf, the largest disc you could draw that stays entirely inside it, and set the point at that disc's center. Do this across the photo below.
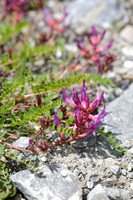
(68, 121)
(7, 31)
(2, 120)
(50, 97)
(13, 118)
(112, 140)
(71, 117)
(59, 128)
(117, 145)
(121, 150)
(60, 114)
(47, 113)
(22, 91)
(1, 185)
(108, 134)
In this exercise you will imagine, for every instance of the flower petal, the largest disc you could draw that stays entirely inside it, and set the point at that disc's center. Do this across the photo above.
(76, 98)
(65, 97)
(95, 33)
(101, 116)
(89, 38)
(80, 44)
(83, 97)
(105, 48)
(58, 21)
(57, 120)
(48, 18)
(101, 37)
(96, 102)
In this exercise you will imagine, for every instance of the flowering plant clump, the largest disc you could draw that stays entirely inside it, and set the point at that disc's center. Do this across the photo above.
(85, 123)
(18, 7)
(95, 54)
(54, 24)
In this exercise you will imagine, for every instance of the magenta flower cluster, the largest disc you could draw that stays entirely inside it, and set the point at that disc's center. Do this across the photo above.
(95, 54)
(54, 24)
(85, 123)
(19, 7)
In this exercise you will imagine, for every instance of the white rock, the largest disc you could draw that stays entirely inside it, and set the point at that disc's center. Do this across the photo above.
(130, 167)
(48, 184)
(64, 173)
(58, 53)
(127, 33)
(128, 64)
(130, 150)
(118, 92)
(131, 186)
(98, 193)
(127, 51)
(71, 47)
(124, 172)
(22, 142)
(90, 184)
(39, 63)
(43, 158)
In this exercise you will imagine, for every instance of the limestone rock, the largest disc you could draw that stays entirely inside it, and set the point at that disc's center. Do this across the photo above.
(120, 118)
(50, 185)
(127, 34)
(97, 193)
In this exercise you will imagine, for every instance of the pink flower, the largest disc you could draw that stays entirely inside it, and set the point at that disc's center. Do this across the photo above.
(83, 103)
(94, 40)
(19, 7)
(54, 24)
(57, 120)
(83, 127)
(81, 46)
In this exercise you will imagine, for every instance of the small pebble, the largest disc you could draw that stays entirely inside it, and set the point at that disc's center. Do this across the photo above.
(58, 53)
(77, 172)
(118, 92)
(95, 179)
(124, 172)
(115, 169)
(130, 167)
(39, 63)
(130, 175)
(130, 150)
(90, 185)
(43, 159)
(131, 186)
(64, 173)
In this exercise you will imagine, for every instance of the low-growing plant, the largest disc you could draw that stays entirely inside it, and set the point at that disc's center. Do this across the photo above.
(27, 99)
(96, 55)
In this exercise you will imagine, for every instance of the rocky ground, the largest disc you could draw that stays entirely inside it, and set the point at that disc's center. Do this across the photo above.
(90, 169)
